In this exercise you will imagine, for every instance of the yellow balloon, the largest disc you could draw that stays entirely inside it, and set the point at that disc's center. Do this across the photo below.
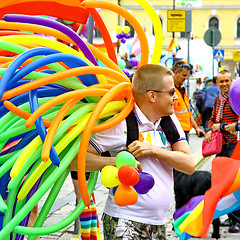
(32, 39)
(119, 29)
(126, 29)
(25, 155)
(111, 108)
(109, 176)
(157, 29)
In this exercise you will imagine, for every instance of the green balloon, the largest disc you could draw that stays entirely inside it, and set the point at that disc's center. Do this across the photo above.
(125, 158)
(121, 63)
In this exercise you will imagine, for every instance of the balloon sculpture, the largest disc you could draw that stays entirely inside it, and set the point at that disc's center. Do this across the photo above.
(123, 34)
(52, 98)
(130, 182)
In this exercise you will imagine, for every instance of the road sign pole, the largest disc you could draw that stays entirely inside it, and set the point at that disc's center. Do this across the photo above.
(213, 44)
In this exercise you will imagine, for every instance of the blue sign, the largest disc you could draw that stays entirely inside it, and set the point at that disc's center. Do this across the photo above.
(218, 54)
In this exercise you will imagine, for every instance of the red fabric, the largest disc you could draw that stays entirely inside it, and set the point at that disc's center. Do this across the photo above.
(70, 10)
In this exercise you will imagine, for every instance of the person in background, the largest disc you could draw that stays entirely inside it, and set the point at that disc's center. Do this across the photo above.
(181, 105)
(209, 95)
(222, 116)
(125, 58)
(154, 94)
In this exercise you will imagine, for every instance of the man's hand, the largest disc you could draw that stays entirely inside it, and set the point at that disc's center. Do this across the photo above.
(140, 149)
(138, 166)
(199, 132)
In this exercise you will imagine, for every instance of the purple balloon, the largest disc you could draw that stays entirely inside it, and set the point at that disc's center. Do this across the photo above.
(134, 61)
(128, 35)
(122, 35)
(118, 36)
(123, 40)
(146, 182)
(56, 25)
(126, 72)
(234, 94)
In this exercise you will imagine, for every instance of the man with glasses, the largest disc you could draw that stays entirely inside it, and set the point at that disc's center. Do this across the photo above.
(181, 105)
(153, 91)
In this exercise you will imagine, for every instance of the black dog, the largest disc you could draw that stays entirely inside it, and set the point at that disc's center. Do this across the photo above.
(188, 186)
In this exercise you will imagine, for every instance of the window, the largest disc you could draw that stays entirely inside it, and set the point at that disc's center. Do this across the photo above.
(213, 22)
(131, 28)
(238, 28)
(161, 23)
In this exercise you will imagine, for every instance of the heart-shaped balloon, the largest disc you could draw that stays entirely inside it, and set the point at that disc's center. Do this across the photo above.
(109, 176)
(145, 183)
(128, 175)
(125, 195)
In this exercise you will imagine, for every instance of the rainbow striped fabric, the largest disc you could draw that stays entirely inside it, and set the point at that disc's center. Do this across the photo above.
(223, 197)
(89, 225)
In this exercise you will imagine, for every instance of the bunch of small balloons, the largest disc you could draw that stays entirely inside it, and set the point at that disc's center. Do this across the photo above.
(123, 34)
(125, 180)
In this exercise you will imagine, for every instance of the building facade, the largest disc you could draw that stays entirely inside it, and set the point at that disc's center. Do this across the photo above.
(224, 15)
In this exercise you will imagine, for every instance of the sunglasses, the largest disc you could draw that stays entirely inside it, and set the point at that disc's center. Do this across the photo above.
(184, 65)
(171, 92)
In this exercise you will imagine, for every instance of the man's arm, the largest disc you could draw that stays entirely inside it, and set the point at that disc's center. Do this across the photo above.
(94, 161)
(180, 158)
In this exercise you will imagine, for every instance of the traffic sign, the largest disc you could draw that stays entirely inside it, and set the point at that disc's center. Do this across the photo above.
(212, 37)
(218, 54)
(176, 21)
(236, 56)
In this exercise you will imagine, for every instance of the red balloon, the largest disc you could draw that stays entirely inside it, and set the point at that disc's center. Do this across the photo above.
(128, 175)
(125, 195)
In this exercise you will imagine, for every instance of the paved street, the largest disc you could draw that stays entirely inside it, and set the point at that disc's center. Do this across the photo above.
(65, 202)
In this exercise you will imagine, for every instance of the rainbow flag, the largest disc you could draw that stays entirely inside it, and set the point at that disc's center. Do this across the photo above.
(172, 45)
(173, 48)
(223, 197)
(199, 67)
(136, 47)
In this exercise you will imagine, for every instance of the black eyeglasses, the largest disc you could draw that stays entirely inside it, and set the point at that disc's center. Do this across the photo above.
(171, 92)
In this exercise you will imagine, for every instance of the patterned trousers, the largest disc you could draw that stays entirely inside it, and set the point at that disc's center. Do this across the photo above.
(117, 228)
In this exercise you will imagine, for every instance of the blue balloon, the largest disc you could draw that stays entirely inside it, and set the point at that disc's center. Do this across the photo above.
(71, 60)
(40, 126)
(23, 98)
(18, 61)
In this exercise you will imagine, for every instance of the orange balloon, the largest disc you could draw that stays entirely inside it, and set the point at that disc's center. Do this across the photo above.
(105, 34)
(21, 113)
(81, 166)
(125, 195)
(47, 144)
(131, 19)
(62, 75)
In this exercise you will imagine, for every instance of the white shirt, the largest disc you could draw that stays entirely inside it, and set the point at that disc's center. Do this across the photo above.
(151, 208)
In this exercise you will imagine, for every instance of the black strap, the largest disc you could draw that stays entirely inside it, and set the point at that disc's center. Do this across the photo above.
(132, 128)
(167, 124)
(170, 129)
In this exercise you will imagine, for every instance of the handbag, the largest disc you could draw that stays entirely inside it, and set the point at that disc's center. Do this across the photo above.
(214, 146)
